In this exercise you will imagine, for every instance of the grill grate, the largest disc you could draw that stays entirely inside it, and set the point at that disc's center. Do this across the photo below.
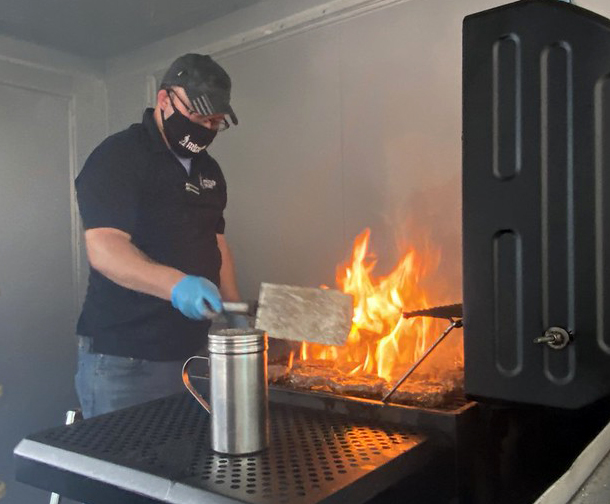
(452, 401)
(313, 454)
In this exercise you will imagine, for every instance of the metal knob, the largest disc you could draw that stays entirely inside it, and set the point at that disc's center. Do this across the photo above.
(555, 337)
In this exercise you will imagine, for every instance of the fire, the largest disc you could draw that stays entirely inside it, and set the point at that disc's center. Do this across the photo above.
(381, 341)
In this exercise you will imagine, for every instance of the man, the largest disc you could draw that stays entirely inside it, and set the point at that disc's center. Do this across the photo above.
(151, 200)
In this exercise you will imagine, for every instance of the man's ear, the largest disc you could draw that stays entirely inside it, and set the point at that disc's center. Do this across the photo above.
(162, 99)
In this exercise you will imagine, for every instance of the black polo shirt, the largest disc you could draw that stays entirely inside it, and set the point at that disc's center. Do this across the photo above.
(134, 183)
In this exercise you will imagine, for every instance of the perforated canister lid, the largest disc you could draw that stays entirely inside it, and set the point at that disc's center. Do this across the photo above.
(237, 341)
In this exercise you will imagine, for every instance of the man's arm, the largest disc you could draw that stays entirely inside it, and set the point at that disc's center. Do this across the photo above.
(228, 280)
(111, 252)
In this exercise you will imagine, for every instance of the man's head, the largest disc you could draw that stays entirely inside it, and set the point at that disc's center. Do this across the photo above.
(193, 102)
(206, 85)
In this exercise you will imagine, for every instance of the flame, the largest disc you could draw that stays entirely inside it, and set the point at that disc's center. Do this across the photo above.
(290, 360)
(382, 342)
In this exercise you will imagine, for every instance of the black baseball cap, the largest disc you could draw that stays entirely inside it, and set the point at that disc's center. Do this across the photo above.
(205, 82)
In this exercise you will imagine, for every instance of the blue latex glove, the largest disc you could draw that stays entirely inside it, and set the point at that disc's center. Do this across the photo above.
(196, 297)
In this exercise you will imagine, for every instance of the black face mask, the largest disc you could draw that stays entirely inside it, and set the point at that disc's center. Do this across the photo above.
(186, 138)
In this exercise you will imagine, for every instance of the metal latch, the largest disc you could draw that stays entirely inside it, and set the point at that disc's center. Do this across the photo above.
(555, 337)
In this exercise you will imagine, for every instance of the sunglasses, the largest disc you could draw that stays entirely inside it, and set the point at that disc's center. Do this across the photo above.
(216, 123)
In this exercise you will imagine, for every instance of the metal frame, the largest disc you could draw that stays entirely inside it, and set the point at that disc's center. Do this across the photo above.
(448, 312)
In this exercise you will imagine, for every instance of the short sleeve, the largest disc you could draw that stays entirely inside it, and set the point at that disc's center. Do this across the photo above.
(217, 174)
(220, 226)
(107, 188)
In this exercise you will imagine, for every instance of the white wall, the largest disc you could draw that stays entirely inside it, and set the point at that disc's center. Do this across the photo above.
(52, 109)
(353, 125)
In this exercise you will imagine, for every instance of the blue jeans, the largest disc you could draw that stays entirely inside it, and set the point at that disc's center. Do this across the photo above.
(107, 383)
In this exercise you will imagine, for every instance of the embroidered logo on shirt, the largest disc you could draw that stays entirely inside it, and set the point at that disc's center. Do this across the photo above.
(206, 183)
(191, 188)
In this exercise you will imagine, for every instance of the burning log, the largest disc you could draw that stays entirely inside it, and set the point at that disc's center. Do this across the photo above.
(421, 393)
(320, 375)
(323, 376)
(276, 372)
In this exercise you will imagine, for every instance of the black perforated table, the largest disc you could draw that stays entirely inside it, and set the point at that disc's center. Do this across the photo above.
(159, 452)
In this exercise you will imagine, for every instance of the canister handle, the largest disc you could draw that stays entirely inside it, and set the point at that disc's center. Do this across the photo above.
(187, 383)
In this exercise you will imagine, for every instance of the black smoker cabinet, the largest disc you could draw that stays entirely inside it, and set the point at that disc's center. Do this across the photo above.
(536, 204)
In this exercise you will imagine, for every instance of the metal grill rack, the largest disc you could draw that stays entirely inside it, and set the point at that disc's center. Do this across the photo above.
(160, 451)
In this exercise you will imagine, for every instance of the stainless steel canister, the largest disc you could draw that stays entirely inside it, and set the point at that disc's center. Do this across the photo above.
(238, 391)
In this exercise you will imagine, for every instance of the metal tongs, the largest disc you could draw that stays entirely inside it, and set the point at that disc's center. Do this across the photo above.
(453, 313)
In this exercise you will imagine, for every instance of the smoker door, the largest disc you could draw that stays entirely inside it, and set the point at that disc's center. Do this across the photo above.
(536, 203)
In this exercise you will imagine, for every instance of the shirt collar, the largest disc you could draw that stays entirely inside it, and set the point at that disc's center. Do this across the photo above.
(157, 142)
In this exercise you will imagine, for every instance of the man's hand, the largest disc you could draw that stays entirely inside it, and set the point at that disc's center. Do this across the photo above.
(196, 297)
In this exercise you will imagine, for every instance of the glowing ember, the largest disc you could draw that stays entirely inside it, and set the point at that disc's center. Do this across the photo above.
(381, 341)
